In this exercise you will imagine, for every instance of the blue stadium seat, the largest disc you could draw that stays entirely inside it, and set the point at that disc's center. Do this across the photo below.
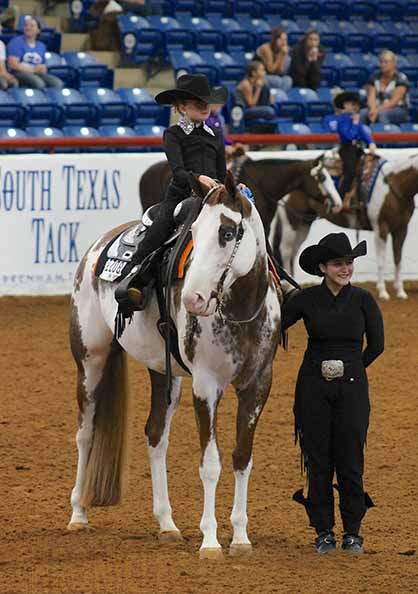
(173, 35)
(379, 127)
(325, 94)
(138, 42)
(44, 132)
(222, 63)
(246, 8)
(89, 70)
(75, 108)
(119, 132)
(40, 110)
(310, 9)
(144, 108)
(80, 131)
(289, 110)
(12, 113)
(294, 128)
(364, 9)
(12, 133)
(382, 41)
(189, 7)
(256, 26)
(353, 76)
(219, 7)
(409, 127)
(334, 8)
(191, 62)
(386, 10)
(368, 61)
(281, 8)
(58, 67)
(156, 131)
(409, 43)
(110, 107)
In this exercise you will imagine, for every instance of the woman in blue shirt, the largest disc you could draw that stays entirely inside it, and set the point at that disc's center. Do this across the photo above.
(26, 59)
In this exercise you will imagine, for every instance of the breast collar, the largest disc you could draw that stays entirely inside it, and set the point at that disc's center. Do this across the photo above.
(188, 126)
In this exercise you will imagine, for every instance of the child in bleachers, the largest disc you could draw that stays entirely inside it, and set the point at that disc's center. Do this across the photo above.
(191, 147)
(353, 136)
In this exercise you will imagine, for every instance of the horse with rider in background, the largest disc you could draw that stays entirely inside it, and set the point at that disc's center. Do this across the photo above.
(226, 308)
(384, 205)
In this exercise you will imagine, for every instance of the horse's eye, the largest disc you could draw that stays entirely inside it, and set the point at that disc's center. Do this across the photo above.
(226, 234)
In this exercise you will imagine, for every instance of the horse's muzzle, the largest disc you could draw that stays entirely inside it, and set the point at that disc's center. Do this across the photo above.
(198, 305)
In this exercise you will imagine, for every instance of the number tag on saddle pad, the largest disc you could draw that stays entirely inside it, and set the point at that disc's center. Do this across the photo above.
(112, 269)
(332, 369)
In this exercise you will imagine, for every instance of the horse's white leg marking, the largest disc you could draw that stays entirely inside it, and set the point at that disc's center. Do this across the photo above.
(380, 244)
(398, 239)
(206, 396)
(239, 519)
(84, 439)
(157, 455)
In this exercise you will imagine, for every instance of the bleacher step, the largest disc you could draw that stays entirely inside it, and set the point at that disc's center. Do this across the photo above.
(52, 21)
(74, 42)
(130, 77)
(112, 59)
(164, 79)
(30, 7)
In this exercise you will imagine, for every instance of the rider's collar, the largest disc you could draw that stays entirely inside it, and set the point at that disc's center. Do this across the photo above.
(188, 126)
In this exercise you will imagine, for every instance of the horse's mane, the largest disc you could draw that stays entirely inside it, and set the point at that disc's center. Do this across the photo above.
(278, 162)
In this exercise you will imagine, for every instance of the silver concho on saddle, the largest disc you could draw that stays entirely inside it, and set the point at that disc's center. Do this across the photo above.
(332, 369)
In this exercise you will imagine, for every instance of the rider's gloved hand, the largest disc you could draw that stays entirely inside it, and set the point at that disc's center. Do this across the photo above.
(245, 190)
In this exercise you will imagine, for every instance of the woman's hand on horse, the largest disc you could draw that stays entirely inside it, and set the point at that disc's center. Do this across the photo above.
(207, 181)
(372, 148)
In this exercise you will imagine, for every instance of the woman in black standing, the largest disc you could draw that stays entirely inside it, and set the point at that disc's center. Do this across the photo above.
(331, 401)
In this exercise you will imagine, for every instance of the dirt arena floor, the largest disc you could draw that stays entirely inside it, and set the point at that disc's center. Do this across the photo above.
(123, 555)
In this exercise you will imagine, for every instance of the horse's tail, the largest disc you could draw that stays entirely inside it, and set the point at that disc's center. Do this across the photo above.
(104, 472)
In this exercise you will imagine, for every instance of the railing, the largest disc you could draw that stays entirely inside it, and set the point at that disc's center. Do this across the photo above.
(253, 139)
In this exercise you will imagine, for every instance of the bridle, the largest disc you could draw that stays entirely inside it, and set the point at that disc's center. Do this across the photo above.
(320, 178)
(219, 293)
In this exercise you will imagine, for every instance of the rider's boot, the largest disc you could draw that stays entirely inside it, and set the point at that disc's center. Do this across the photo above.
(129, 291)
(348, 197)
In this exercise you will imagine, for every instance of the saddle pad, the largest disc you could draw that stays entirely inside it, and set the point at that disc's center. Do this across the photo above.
(369, 176)
(115, 260)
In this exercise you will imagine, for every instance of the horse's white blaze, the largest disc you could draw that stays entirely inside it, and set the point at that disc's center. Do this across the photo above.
(239, 519)
(209, 263)
(328, 189)
(157, 455)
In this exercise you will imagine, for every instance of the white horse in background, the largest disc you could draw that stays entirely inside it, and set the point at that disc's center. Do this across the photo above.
(389, 210)
(227, 312)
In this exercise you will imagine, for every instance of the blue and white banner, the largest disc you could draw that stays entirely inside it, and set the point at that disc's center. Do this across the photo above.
(53, 207)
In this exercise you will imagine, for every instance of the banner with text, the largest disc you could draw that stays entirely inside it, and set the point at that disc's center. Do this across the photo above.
(52, 207)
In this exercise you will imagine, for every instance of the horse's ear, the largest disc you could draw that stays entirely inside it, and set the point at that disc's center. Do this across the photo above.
(198, 188)
(230, 185)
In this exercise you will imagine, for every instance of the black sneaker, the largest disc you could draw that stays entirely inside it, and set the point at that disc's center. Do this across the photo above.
(353, 543)
(325, 542)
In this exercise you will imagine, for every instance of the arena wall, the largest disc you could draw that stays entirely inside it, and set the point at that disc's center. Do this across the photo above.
(52, 207)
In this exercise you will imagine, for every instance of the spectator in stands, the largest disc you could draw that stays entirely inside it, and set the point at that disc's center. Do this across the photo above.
(275, 57)
(253, 93)
(306, 60)
(387, 93)
(26, 59)
(9, 19)
(105, 36)
(6, 79)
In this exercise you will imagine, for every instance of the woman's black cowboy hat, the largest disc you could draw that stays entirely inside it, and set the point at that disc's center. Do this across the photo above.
(334, 245)
(345, 96)
(193, 86)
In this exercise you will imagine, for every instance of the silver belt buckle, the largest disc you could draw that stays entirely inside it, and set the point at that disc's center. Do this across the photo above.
(332, 369)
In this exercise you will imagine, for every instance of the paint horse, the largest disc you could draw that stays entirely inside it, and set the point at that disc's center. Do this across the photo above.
(269, 179)
(389, 210)
(227, 312)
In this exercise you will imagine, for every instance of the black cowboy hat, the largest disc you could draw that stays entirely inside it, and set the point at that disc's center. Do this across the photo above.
(345, 96)
(193, 86)
(334, 245)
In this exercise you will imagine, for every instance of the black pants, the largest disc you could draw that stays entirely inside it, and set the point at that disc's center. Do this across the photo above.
(163, 223)
(350, 155)
(332, 418)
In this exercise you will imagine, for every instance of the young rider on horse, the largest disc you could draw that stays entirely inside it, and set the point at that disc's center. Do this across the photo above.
(353, 135)
(191, 147)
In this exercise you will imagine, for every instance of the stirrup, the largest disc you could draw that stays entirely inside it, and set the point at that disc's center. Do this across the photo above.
(127, 294)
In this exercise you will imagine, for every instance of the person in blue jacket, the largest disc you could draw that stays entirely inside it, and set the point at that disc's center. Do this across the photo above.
(353, 137)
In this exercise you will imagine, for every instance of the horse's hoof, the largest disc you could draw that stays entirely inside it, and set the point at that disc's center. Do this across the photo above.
(240, 550)
(215, 554)
(171, 536)
(384, 295)
(79, 526)
(402, 295)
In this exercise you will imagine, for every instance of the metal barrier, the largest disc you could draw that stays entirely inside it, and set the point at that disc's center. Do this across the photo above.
(252, 139)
